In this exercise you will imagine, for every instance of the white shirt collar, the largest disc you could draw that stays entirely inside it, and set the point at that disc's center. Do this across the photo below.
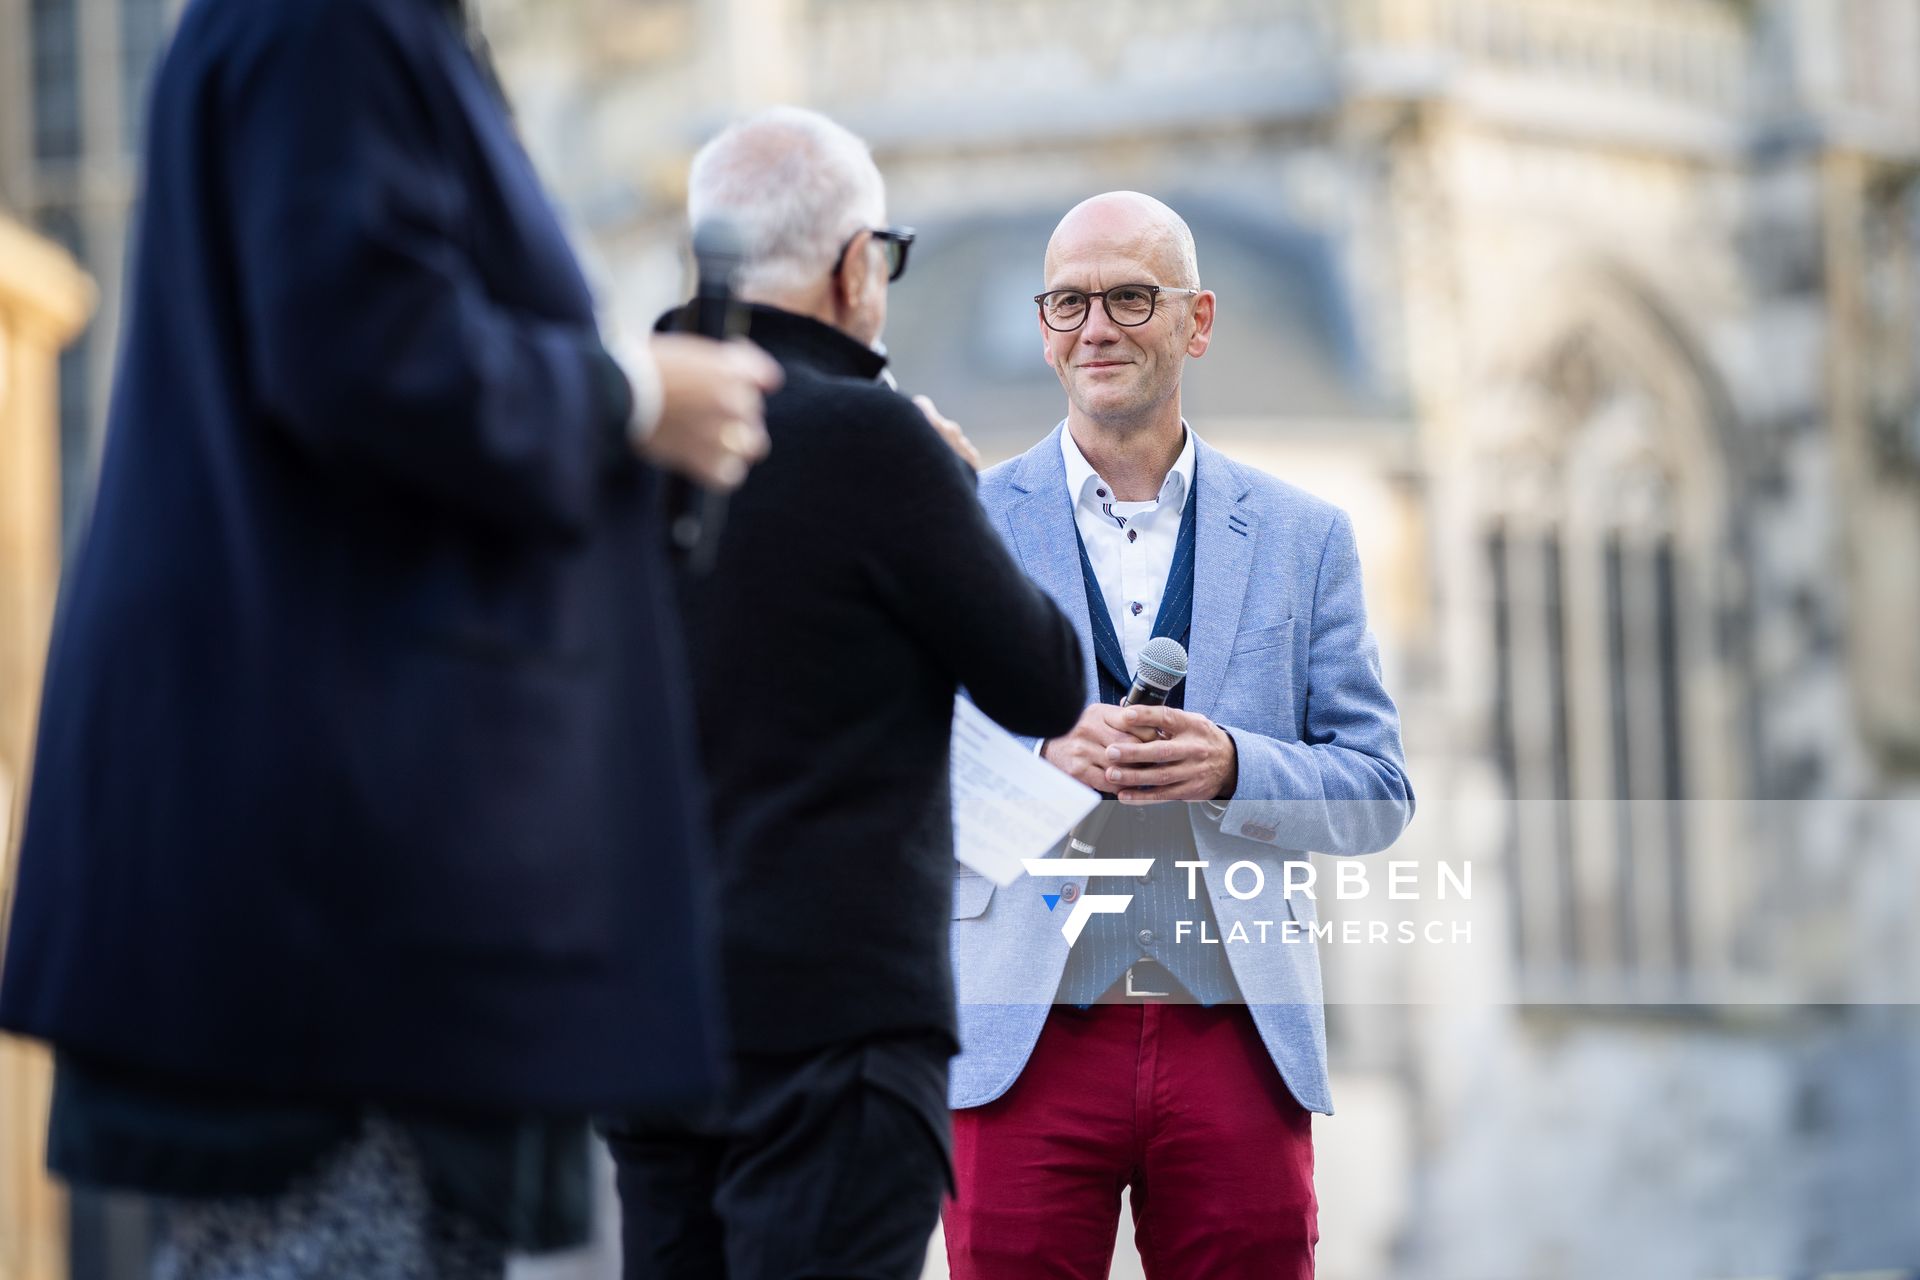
(1084, 483)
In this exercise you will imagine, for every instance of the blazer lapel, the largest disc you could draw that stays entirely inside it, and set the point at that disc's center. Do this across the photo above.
(1040, 517)
(1224, 536)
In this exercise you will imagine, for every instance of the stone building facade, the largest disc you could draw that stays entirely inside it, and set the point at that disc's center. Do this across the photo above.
(1603, 319)
(74, 76)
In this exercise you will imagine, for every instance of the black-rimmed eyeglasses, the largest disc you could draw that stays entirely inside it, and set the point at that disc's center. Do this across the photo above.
(1065, 310)
(894, 241)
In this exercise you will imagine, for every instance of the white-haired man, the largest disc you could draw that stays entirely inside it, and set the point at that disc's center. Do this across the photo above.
(857, 585)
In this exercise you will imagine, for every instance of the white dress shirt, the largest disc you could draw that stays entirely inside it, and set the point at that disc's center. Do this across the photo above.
(1129, 544)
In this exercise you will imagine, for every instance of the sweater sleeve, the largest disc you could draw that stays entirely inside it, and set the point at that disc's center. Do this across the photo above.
(939, 565)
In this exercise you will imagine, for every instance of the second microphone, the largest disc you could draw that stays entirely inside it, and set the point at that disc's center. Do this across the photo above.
(1162, 666)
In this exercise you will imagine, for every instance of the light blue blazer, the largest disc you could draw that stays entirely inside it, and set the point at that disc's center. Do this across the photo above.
(1281, 659)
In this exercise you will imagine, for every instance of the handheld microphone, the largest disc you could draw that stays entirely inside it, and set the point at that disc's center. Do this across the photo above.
(695, 517)
(1163, 665)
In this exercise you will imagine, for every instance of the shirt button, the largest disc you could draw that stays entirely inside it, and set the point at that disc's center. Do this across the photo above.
(1146, 937)
(1101, 492)
(1132, 534)
(1069, 891)
(1137, 607)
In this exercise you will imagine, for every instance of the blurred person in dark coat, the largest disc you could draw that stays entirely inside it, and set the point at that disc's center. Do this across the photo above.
(857, 585)
(364, 856)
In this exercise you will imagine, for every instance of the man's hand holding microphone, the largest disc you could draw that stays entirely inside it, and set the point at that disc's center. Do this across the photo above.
(1147, 755)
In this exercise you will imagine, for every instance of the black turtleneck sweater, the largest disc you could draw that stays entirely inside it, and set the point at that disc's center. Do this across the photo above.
(858, 585)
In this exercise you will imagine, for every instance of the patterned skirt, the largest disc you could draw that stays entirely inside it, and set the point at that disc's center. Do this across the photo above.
(364, 1213)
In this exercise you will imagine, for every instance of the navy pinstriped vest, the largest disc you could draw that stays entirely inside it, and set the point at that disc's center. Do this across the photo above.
(1110, 943)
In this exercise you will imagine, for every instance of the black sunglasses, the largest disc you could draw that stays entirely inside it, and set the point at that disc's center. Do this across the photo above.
(894, 240)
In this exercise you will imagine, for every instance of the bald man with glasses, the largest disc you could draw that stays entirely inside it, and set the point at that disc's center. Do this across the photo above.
(1139, 1056)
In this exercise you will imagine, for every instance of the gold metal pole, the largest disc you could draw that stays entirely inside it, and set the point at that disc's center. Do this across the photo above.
(45, 300)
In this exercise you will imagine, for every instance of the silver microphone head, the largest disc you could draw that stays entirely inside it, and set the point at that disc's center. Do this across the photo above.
(1163, 663)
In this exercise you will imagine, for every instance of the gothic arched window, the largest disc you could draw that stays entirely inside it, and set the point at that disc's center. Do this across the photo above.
(1599, 507)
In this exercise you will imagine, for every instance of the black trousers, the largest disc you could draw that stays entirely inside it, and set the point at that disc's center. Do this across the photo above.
(830, 1166)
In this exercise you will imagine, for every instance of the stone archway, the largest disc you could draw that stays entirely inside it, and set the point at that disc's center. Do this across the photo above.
(1613, 555)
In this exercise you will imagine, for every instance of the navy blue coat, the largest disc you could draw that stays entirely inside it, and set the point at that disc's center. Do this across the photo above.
(365, 765)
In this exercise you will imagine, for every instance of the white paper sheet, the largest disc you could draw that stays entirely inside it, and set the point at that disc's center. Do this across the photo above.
(1008, 803)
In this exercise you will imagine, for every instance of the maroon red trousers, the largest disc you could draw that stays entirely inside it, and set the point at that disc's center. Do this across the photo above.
(1179, 1103)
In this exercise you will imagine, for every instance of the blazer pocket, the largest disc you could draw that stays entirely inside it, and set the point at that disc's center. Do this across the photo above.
(1273, 637)
(971, 893)
(1258, 692)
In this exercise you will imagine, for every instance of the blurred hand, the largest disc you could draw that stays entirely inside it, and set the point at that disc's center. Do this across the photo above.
(1082, 754)
(950, 432)
(1179, 756)
(712, 425)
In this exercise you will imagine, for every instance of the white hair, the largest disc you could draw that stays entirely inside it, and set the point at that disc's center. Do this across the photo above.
(795, 186)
